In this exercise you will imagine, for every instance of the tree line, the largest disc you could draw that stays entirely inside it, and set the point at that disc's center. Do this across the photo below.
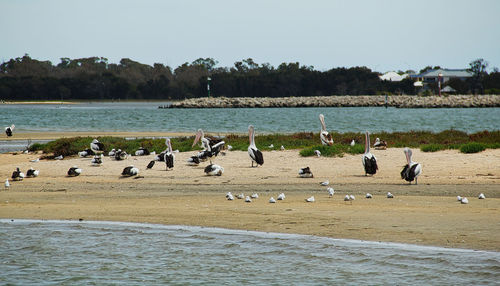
(94, 78)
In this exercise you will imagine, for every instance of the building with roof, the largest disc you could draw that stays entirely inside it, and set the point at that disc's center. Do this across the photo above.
(431, 76)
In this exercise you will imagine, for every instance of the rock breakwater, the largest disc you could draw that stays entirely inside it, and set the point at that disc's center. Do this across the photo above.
(401, 101)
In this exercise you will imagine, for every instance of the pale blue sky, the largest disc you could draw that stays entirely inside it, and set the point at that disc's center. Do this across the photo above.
(382, 35)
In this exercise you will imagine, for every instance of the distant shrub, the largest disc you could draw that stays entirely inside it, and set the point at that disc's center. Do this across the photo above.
(472, 147)
(432, 147)
(356, 149)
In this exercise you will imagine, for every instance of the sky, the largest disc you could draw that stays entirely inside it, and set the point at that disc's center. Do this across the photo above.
(382, 35)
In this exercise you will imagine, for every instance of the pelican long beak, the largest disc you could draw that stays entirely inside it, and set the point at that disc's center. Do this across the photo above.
(322, 121)
(250, 133)
(196, 139)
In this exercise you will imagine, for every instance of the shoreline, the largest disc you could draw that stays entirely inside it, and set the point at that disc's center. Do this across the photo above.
(423, 214)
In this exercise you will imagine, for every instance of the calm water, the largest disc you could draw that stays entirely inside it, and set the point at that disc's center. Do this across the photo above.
(145, 116)
(82, 253)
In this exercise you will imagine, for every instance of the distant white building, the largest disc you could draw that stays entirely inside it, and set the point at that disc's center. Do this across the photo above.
(431, 76)
(393, 76)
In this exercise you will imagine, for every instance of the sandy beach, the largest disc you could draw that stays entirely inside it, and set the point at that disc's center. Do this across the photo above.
(425, 214)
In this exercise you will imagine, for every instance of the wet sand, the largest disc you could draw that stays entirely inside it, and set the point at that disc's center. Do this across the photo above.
(425, 214)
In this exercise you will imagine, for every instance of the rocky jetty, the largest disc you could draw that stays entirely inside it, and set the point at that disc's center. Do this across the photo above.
(401, 101)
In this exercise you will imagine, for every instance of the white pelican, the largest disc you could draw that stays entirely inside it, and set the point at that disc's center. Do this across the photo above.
(272, 200)
(74, 171)
(464, 200)
(253, 152)
(325, 183)
(389, 195)
(330, 191)
(306, 173)
(326, 138)
(31, 173)
(17, 175)
(481, 196)
(368, 196)
(130, 171)
(379, 145)
(96, 146)
(310, 199)
(9, 130)
(412, 170)
(369, 160)
(169, 155)
(247, 199)
(7, 184)
(214, 170)
(281, 197)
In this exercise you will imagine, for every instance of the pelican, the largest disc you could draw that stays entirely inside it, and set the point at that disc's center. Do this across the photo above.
(169, 155)
(310, 199)
(368, 196)
(389, 195)
(74, 171)
(379, 145)
(142, 152)
(7, 184)
(412, 170)
(253, 152)
(193, 160)
(272, 200)
(97, 146)
(31, 173)
(97, 160)
(205, 142)
(120, 155)
(330, 191)
(9, 129)
(17, 175)
(130, 171)
(306, 173)
(214, 170)
(326, 138)
(112, 152)
(85, 153)
(281, 197)
(481, 196)
(369, 160)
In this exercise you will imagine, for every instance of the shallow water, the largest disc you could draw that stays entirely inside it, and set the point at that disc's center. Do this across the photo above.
(80, 253)
(145, 116)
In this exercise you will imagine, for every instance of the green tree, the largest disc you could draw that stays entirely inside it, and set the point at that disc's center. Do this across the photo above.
(478, 70)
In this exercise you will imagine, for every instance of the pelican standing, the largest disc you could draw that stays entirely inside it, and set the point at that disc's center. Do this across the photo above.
(9, 130)
(254, 153)
(369, 160)
(169, 155)
(411, 170)
(326, 138)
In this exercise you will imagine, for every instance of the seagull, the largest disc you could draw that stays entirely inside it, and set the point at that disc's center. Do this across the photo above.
(368, 196)
(310, 200)
(459, 198)
(230, 197)
(74, 171)
(214, 170)
(325, 183)
(306, 173)
(35, 160)
(464, 200)
(282, 148)
(17, 175)
(271, 146)
(347, 198)
(130, 171)
(247, 199)
(31, 173)
(272, 200)
(281, 197)
(60, 157)
(389, 195)
(255, 196)
(353, 142)
(229, 147)
(330, 191)
(351, 197)
(317, 153)
(7, 184)
(481, 196)
(240, 196)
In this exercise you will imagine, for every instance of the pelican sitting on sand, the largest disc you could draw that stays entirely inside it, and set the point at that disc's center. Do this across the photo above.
(130, 171)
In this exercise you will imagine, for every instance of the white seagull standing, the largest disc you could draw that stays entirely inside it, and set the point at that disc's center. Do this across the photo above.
(368, 196)
(369, 160)
(481, 196)
(254, 153)
(272, 200)
(326, 138)
(330, 191)
(390, 195)
(411, 170)
(7, 184)
(281, 197)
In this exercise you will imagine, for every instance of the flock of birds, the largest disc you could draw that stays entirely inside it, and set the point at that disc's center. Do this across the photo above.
(212, 147)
